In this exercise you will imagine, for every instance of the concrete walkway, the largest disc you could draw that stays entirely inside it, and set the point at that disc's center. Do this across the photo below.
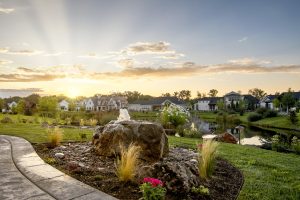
(24, 175)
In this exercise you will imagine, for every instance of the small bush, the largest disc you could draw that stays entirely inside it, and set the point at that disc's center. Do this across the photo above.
(50, 161)
(270, 113)
(295, 144)
(207, 156)
(253, 117)
(126, 166)
(201, 190)
(261, 110)
(55, 136)
(6, 120)
(93, 122)
(293, 117)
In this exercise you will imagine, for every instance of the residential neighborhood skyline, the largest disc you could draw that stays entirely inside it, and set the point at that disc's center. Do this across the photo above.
(79, 48)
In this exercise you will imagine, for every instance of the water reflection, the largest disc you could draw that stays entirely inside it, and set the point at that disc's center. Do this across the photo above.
(247, 135)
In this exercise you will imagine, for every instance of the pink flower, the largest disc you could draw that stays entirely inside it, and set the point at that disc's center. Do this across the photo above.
(154, 182)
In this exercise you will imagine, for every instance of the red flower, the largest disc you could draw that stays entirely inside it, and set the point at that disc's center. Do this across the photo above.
(154, 182)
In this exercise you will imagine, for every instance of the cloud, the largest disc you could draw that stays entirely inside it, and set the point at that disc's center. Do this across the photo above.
(244, 39)
(3, 50)
(172, 56)
(56, 54)
(187, 69)
(126, 63)
(19, 92)
(6, 10)
(26, 52)
(22, 90)
(248, 61)
(5, 62)
(148, 47)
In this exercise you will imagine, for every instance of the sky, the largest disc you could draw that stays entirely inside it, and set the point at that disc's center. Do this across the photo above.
(84, 47)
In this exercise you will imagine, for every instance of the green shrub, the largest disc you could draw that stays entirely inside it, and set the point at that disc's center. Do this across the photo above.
(261, 111)
(253, 117)
(270, 113)
(174, 116)
(293, 117)
(295, 144)
(200, 190)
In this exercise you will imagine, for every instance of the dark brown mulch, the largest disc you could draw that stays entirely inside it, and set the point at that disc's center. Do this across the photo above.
(99, 172)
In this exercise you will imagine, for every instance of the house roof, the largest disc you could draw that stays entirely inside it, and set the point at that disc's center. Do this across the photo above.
(160, 100)
(251, 98)
(269, 98)
(295, 94)
(232, 93)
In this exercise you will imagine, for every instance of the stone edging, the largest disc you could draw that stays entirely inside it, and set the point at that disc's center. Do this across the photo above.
(50, 180)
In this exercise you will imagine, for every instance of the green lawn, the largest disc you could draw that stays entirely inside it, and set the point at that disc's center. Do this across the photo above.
(274, 122)
(268, 174)
(36, 134)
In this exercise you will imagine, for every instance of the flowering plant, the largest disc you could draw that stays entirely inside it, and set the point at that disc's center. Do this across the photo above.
(174, 115)
(152, 189)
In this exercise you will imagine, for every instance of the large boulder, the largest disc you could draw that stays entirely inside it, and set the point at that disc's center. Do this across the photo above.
(148, 135)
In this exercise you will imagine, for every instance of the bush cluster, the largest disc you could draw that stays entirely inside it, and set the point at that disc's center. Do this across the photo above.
(262, 113)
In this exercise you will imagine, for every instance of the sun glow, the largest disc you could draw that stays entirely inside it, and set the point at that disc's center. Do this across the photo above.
(73, 92)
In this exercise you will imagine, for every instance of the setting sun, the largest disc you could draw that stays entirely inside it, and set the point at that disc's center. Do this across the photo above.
(73, 92)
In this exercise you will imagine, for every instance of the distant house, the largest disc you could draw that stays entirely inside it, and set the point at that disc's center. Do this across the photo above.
(63, 105)
(104, 103)
(155, 104)
(232, 99)
(267, 101)
(90, 104)
(11, 105)
(207, 104)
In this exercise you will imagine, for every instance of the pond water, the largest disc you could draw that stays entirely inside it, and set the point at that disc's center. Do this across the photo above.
(248, 135)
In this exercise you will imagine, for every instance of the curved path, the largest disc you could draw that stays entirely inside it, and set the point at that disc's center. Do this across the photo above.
(24, 175)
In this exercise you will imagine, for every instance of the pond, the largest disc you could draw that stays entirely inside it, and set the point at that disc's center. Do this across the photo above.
(249, 135)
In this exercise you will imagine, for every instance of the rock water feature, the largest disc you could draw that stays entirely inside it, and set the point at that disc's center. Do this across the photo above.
(178, 170)
(148, 135)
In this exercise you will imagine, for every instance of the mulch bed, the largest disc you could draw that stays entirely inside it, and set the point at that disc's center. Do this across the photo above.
(83, 164)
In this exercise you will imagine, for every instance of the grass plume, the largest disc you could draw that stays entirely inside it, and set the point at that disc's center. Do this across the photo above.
(55, 136)
(126, 166)
(207, 156)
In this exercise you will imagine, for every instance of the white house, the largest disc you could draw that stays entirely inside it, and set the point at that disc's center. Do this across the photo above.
(90, 104)
(63, 105)
(12, 104)
(207, 104)
(155, 104)
(267, 101)
(232, 98)
(105, 103)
